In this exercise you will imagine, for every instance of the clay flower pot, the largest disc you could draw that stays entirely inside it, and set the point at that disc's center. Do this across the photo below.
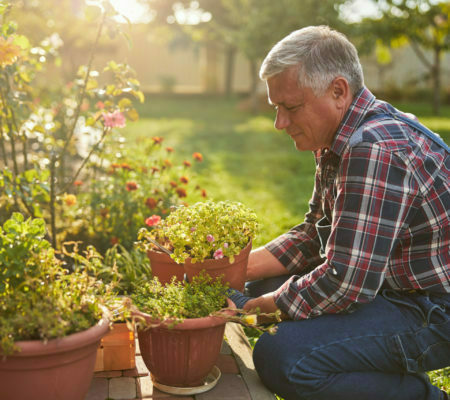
(235, 273)
(59, 369)
(164, 267)
(183, 355)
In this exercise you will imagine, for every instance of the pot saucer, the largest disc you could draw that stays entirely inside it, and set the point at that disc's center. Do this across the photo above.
(210, 381)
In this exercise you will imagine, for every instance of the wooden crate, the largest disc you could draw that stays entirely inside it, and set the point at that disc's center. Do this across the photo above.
(117, 349)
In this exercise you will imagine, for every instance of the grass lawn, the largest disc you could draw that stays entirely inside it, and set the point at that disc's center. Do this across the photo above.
(247, 160)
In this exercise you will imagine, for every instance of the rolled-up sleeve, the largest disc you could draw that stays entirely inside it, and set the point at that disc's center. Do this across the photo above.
(376, 197)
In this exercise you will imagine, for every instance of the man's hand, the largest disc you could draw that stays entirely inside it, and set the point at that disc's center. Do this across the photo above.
(265, 303)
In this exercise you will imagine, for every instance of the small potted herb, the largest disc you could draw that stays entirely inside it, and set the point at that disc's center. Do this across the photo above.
(215, 236)
(180, 328)
(51, 321)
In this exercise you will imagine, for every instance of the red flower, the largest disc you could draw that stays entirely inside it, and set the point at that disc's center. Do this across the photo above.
(77, 183)
(169, 149)
(132, 186)
(186, 163)
(151, 203)
(198, 157)
(181, 192)
(204, 193)
(114, 240)
(157, 139)
(184, 179)
(153, 220)
(173, 184)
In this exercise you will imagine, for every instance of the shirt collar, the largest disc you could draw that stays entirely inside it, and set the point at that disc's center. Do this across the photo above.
(352, 119)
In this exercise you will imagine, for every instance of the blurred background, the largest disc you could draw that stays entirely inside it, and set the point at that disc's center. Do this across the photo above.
(216, 46)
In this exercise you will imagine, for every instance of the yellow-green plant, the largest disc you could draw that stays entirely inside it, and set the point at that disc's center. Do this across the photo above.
(205, 230)
(39, 298)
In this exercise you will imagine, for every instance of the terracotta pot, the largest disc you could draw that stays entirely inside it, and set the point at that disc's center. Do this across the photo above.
(183, 355)
(60, 369)
(235, 273)
(164, 267)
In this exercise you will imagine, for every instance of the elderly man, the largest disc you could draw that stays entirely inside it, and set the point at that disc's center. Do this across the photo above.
(364, 281)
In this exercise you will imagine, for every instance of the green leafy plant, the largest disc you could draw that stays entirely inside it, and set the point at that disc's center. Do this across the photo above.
(114, 203)
(177, 301)
(205, 230)
(48, 135)
(39, 298)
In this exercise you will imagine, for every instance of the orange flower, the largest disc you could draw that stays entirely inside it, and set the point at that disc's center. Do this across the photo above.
(114, 240)
(131, 186)
(115, 165)
(153, 220)
(100, 105)
(197, 156)
(184, 179)
(126, 166)
(173, 184)
(104, 212)
(181, 192)
(151, 203)
(167, 163)
(186, 163)
(204, 194)
(155, 169)
(169, 149)
(70, 200)
(144, 169)
(85, 106)
(8, 51)
(78, 183)
(157, 139)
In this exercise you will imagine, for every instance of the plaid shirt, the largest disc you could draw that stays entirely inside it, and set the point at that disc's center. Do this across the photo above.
(378, 217)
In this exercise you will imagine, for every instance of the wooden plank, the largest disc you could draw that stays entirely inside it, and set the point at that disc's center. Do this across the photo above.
(242, 351)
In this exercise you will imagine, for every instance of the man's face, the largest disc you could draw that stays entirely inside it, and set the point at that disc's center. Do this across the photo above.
(309, 120)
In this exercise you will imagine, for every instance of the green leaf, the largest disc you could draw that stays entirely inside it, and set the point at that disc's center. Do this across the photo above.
(22, 41)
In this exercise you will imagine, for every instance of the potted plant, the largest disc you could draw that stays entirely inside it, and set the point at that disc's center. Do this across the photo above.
(180, 329)
(51, 321)
(212, 236)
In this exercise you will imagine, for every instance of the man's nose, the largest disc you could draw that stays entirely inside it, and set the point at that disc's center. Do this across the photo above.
(282, 119)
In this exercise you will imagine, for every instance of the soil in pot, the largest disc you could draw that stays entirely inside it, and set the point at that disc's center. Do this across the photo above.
(234, 273)
(59, 369)
(164, 267)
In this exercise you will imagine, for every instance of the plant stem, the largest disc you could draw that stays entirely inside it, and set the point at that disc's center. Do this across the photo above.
(83, 88)
(94, 148)
(52, 199)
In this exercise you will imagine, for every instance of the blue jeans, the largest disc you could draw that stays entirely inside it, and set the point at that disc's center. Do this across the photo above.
(379, 352)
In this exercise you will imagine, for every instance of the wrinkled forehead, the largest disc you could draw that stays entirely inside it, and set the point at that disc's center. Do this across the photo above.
(283, 88)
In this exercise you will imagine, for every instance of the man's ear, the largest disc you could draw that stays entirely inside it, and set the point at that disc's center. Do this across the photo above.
(340, 90)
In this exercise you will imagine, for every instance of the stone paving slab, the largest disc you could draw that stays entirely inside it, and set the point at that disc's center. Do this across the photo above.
(239, 380)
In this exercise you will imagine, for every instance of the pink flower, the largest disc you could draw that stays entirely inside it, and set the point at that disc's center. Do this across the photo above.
(225, 245)
(114, 119)
(210, 238)
(218, 254)
(153, 220)
(193, 229)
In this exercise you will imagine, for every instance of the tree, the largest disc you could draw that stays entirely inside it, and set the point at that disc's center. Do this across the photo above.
(254, 26)
(424, 25)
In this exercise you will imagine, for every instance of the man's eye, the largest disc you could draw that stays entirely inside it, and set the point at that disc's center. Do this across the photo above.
(292, 108)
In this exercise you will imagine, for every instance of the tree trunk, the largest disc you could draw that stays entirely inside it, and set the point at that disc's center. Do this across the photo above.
(436, 77)
(254, 101)
(229, 69)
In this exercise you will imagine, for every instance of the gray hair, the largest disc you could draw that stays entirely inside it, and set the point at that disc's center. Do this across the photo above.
(321, 53)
